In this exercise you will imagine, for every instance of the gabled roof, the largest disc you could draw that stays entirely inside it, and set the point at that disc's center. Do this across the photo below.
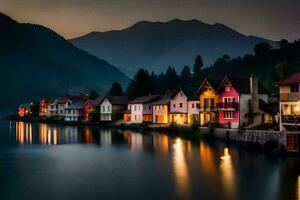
(145, 99)
(64, 99)
(213, 83)
(96, 102)
(292, 79)
(75, 105)
(242, 85)
(26, 105)
(163, 101)
(188, 91)
(118, 100)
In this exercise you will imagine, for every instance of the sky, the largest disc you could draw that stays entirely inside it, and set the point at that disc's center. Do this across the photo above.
(272, 19)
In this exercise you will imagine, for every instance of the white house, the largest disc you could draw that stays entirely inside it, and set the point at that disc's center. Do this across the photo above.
(178, 107)
(105, 110)
(193, 111)
(141, 108)
(73, 112)
(58, 106)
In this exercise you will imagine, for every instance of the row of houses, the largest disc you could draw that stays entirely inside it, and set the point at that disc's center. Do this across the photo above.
(231, 103)
(74, 108)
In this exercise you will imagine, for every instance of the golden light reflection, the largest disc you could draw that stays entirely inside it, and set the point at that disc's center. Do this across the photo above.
(88, 136)
(23, 133)
(161, 143)
(181, 169)
(47, 135)
(227, 173)
(206, 158)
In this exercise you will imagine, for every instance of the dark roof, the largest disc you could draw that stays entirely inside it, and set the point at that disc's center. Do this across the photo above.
(293, 79)
(242, 85)
(190, 92)
(163, 101)
(64, 99)
(97, 101)
(75, 105)
(118, 100)
(212, 82)
(145, 99)
(26, 105)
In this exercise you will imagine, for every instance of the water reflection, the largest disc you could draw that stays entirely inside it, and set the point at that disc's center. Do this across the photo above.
(24, 133)
(181, 169)
(227, 174)
(212, 163)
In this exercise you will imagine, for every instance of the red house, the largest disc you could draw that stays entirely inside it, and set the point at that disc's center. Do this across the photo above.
(43, 107)
(90, 106)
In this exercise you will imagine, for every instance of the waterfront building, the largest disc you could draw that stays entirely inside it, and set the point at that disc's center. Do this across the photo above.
(43, 107)
(289, 109)
(73, 112)
(209, 99)
(25, 109)
(244, 102)
(105, 110)
(161, 110)
(89, 106)
(178, 107)
(141, 109)
(119, 103)
(193, 110)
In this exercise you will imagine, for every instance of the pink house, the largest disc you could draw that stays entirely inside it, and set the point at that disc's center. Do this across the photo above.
(242, 102)
(228, 105)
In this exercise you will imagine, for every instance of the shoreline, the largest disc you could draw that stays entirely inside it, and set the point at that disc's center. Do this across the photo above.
(192, 133)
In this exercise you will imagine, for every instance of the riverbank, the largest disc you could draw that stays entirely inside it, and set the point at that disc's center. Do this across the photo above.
(272, 142)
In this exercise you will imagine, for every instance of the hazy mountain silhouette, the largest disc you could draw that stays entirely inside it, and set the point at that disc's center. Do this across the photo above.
(157, 45)
(37, 62)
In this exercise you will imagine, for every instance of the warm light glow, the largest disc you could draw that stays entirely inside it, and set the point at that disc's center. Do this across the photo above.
(296, 109)
(23, 133)
(206, 158)
(227, 173)
(181, 169)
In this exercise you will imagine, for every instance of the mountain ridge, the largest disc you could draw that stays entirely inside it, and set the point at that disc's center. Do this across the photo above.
(35, 62)
(157, 45)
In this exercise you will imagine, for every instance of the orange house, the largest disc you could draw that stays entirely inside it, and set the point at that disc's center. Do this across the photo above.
(43, 107)
(209, 99)
(25, 109)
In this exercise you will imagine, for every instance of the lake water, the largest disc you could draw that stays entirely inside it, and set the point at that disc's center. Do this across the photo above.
(41, 161)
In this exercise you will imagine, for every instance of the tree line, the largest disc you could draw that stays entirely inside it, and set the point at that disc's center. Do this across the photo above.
(268, 63)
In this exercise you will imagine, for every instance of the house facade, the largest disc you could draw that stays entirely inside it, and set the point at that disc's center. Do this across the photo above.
(25, 109)
(89, 106)
(178, 107)
(193, 111)
(141, 109)
(119, 104)
(73, 112)
(161, 111)
(209, 100)
(43, 107)
(289, 110)
(228, 106)
(105, 110)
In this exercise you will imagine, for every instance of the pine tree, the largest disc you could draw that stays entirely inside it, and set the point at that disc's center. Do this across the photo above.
(197, 70)
(115, 90)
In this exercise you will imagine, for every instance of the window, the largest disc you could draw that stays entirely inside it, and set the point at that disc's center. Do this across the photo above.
(180, 105)
(295, 88)
(198, 105)
(108, 108)
(292, 142)
(103, 108)
(193, 105)
(174, 105)
(227, 87)
(228, 115)
(135, 107)
(149, 107)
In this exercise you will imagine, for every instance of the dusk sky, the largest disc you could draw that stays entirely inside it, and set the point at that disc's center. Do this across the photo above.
(272, 19)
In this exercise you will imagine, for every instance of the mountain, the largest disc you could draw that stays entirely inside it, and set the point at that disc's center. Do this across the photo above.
(36, 62)
(157, 45)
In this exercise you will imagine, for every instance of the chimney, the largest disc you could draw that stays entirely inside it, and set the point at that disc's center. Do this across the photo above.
(254, 94)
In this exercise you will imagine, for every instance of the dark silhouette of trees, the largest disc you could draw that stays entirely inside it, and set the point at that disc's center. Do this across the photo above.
(93, 94)
(197, 75)
(186, 76)
(115, 90)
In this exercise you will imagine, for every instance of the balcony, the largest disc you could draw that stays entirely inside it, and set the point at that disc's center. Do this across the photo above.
(289, 97)
(228, 106)
(208, 108)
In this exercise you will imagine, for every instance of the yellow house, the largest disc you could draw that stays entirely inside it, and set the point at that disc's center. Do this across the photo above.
(208, 101)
